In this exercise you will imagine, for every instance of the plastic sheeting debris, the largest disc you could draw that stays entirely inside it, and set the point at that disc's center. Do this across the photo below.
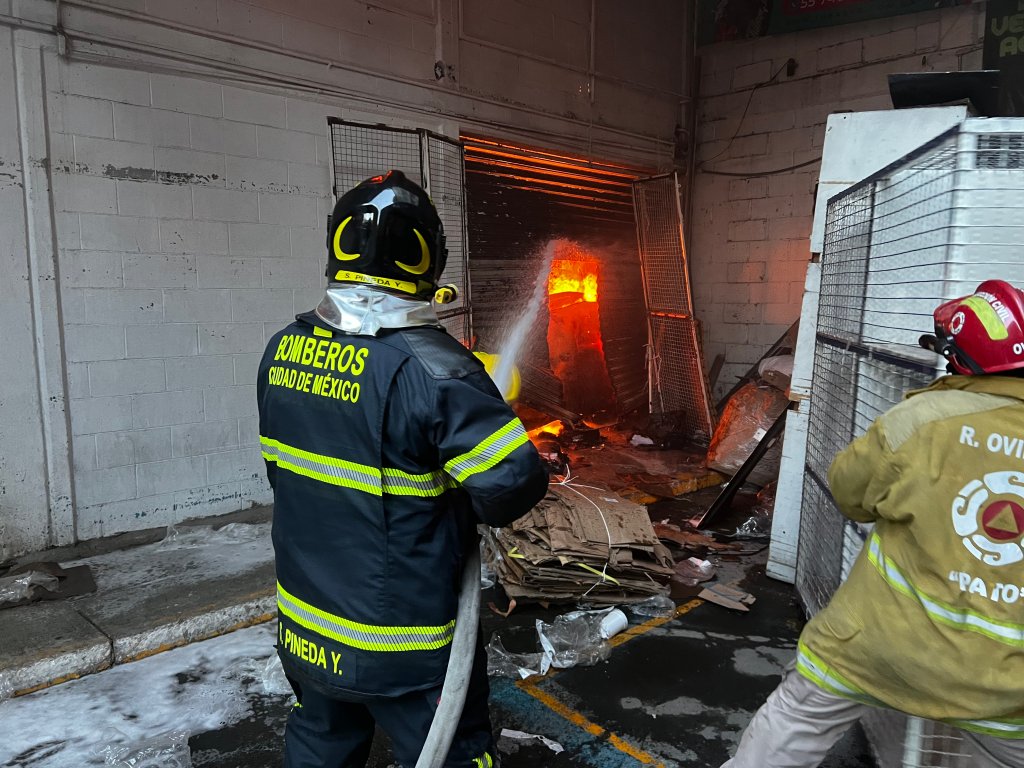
(777, 371)
(487, 575)
(574, 639)
(639, 440)
(14, 589)
(693, 571)
(758, 525)
(44, 580)
(165, 750)
(504, 663)
(747, 417)
(658, 607)
(551, 744)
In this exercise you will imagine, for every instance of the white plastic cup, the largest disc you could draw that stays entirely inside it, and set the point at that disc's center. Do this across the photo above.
(613, 623)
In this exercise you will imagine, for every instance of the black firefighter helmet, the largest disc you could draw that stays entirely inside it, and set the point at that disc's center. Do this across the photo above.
(386, 232)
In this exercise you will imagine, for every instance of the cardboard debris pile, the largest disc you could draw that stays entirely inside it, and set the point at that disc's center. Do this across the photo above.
(559, 550)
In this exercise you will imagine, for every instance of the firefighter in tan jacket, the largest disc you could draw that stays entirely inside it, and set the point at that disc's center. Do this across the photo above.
(931, 619)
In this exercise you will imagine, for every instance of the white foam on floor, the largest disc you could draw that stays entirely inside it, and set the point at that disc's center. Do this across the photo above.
(197, 688)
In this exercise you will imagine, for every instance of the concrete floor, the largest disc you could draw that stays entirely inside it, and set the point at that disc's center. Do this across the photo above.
(677, 694)
(674, 692)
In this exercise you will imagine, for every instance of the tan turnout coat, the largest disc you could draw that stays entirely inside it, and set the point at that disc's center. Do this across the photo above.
(931, 618)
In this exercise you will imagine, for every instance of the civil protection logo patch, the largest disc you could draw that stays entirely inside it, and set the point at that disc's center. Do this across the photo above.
(988, 515)
(957, 323)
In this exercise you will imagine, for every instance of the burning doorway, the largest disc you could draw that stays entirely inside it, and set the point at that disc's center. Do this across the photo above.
(533, 218)
(575, 344)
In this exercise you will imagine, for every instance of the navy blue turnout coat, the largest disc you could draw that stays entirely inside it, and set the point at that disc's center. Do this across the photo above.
(383, 452)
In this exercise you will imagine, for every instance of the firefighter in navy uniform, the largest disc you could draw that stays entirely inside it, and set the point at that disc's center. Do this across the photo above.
(386, 442)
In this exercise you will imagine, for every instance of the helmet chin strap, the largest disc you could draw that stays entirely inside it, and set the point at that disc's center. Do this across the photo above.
(948, 349)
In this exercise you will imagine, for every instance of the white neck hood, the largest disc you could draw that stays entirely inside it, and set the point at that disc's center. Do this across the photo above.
(364, 309)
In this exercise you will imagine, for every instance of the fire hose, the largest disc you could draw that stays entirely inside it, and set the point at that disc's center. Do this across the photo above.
(467, 619)
(460, 665)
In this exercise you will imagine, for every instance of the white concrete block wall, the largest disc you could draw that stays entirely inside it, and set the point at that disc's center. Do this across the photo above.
(197, 210)
(177, 219)
(749, 234)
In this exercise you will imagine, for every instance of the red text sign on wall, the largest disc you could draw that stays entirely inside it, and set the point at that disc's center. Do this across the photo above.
(800, 7)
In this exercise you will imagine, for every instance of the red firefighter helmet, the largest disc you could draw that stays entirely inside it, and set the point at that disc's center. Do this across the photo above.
(983, 332)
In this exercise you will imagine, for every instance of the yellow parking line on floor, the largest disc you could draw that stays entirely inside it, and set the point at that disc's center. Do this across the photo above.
(578, 719)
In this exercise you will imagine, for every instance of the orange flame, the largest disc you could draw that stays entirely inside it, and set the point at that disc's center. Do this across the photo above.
(574, 277)
(551, 428)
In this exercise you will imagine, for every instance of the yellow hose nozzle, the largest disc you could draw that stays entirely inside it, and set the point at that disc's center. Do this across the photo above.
(446, 294)
(509, 389)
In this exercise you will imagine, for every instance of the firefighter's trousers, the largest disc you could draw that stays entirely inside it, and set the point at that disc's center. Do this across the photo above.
(800, 722)
(325, 731)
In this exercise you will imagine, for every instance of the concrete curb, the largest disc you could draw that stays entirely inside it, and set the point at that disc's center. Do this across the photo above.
(196, 584)
(58, 659)
(194, 629)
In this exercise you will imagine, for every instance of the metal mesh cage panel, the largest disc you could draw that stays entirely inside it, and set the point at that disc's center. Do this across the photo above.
(432, 161)
(900, 741)
(362, 151)
(446, 185)
(928, 744)
(661, 245)
(677, 384)
(820, 547)
(675, 360)
(927, 229)
(886, 731)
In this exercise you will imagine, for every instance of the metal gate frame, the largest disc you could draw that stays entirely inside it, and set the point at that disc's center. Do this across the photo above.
(926, 228)
(676, 379)
(435, 162)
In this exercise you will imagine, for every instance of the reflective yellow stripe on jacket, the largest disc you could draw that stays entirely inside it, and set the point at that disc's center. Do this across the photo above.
(368, 637)
(488, 452)
(348, 474)
(943, 613)
(821, 674)
(1004, 729)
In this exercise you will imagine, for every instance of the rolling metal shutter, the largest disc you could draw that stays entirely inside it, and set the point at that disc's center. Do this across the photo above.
(518, 200)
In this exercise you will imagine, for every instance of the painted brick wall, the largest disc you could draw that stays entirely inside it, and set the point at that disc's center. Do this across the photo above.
(511, 64)
(191, 230)
(750, 235)
(181, 185)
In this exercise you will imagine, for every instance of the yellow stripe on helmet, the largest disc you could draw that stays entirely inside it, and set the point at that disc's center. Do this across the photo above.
(338, 252)
(424, 262)
(989, 318)
(343, 275)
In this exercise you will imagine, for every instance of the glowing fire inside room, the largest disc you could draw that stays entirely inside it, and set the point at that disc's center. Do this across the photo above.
(575, 347)
(574, 277)
(552, 428)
